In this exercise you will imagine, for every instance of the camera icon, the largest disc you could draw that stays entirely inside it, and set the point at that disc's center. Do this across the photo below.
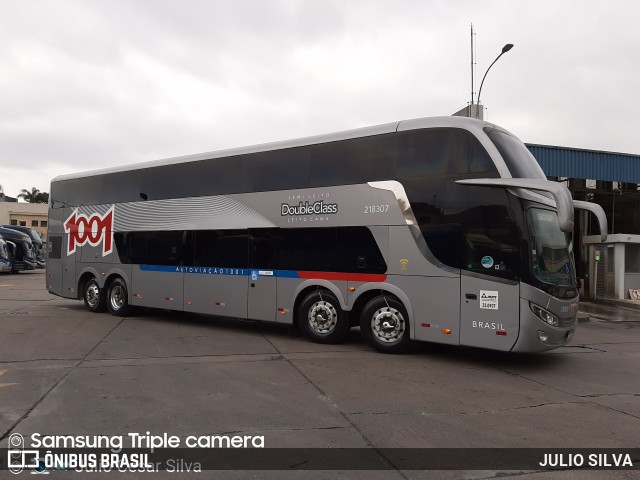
(18, 457)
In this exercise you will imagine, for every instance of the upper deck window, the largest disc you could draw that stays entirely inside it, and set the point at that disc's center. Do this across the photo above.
(519, 160)
(433, 152)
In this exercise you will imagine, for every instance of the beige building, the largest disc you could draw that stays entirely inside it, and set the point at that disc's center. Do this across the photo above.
(32, 215)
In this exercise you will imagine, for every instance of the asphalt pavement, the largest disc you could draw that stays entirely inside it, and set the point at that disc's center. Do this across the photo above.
(65, 371)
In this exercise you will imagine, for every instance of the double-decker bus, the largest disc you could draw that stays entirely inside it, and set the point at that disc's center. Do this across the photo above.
(438, 229)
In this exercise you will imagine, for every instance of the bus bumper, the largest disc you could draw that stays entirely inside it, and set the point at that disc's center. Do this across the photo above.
(536, 335)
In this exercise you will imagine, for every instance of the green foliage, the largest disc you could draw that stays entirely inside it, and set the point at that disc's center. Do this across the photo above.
(34, 196)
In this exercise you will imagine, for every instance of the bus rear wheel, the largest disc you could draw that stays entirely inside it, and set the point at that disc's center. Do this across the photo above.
(321, 318)
(118, 298)
(93, 296)
(385, 325)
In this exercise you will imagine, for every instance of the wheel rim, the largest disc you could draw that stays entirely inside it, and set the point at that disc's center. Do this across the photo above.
(388, 325)
(117, 297)
(322, 317)
(92, 294)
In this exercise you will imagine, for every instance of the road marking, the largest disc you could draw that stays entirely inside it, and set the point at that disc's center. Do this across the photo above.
(2, 372)
(7, 285)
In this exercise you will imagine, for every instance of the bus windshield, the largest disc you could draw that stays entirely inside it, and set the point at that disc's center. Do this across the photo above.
(520, 162)
(551, 261)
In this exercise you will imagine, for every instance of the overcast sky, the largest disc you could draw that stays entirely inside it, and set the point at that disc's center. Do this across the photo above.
(91, 84)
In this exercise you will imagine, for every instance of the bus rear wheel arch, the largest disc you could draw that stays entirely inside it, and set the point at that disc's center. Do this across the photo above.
(117, 298)
(93, 295)
(321, 318)
(384, 323)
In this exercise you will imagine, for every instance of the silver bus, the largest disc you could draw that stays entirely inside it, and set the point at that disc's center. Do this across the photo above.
(440, 229)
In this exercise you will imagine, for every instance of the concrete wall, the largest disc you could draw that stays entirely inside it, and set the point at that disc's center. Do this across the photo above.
(27, 214)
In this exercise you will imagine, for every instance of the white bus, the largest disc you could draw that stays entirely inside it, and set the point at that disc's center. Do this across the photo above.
(437, 229)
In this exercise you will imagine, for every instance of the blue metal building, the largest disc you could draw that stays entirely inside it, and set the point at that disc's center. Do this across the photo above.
(612, 269)
(587, 164)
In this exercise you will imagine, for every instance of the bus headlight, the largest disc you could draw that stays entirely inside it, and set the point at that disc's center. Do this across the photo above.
(544, 315)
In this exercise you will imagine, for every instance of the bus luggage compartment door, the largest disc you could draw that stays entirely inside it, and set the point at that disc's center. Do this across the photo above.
(489, 312)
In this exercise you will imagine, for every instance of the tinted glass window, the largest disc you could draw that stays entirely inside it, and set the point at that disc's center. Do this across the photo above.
(440, 151)
(345, 249)
(491, 239)
(151, 248)
(313, 249)
(165, 248)
(221, 248)
(360, 252)
(518, 158)
(551, 260)
(55, 247)
(204, 245)
(232, 251)
(353, 161)
(472, 228)
(266, 245)
(316, 165)
(277, 170)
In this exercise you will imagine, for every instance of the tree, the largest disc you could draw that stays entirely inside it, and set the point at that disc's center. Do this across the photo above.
(34, 196)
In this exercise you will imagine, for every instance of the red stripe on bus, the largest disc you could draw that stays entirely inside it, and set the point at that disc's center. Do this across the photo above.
(340, 276)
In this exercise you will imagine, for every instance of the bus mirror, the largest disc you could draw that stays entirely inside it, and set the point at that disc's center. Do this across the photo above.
(598, 212)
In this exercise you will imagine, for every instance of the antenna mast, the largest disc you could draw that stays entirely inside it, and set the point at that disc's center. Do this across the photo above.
(472, 63)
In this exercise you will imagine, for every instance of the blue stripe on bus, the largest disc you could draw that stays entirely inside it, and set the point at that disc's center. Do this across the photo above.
(287, 274)
(256, 273)
(197, 270)
(246, 272)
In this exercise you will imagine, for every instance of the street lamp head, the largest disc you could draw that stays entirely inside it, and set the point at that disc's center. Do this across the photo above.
(505, 49)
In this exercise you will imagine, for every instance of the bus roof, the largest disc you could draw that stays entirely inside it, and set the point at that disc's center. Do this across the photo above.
(426, 122)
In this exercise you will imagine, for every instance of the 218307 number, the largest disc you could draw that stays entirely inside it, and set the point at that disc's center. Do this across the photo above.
(376, 208)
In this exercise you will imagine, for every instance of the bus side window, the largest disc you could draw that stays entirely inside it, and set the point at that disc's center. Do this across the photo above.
(264, 250)
(359, 251)
(492, 242)
(203, 248)
(137, 245)
(309, 249)
(232, 250)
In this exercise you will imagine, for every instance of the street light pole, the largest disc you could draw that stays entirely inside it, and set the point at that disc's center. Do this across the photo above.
(505, 49)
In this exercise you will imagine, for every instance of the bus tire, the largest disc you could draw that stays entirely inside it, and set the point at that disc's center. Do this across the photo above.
(94, 296)
(118, 298)
(321, 318)
(385, 325)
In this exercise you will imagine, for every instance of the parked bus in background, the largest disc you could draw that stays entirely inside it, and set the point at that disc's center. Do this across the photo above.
(24, 257)
(439, 229)
(5, 256)
(38, 245)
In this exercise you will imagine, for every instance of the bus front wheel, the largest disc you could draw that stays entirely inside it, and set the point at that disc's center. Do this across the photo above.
(93, 296)
(385, 325)
(321, 318)
(118, 298)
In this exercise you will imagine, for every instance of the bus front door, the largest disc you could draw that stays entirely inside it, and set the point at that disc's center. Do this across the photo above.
(489, 312)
